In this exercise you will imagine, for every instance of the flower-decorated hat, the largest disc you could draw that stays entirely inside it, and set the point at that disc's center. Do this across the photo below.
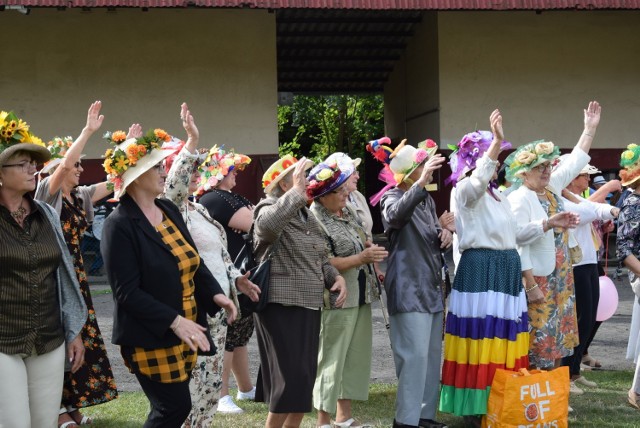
(15, 136)
(467, 152)
(405, 158)
(343, 160)
(278, 170)
(217, 164)
(529, 156)
(630, 161)
(58, 148)
(326, 177)
(131, 158)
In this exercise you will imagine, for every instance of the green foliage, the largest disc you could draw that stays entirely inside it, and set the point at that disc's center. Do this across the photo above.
(316, 126)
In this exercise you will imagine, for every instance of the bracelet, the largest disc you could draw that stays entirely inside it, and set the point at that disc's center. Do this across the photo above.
(586, 133)
(533, 287)
(545, 226)
(177, 324)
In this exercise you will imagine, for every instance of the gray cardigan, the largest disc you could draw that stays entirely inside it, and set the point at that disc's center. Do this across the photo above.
(73, 311)
(414, 267)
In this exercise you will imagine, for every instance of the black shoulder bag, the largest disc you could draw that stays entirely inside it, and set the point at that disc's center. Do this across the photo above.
(260, 273)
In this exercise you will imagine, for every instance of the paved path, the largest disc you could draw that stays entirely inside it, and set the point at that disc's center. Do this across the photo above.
(609, 345)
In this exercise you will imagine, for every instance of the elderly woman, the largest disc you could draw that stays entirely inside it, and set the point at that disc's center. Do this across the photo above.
(487, 294)
(344, 361)
(235, 213)
(546, 263)
(41, 307)
(183, 178)
(161, 289)
(413, 281)
(585, 272)
(93, 383)
(628, 241)
(288, 328)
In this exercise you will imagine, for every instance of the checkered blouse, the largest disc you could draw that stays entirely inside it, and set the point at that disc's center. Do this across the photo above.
(173, 364)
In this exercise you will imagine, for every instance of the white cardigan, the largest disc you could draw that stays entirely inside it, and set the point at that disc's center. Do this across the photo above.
(540, 255)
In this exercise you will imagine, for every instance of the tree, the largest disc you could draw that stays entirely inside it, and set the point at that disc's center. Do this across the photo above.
(316, 126)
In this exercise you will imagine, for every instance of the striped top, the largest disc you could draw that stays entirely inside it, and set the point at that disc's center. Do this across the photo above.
(29, 309)
(173, 364)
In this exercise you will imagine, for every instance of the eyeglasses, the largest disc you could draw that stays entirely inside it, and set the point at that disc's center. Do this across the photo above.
(25, 165)
(158, 167)
(584, 176)
(542, 167)
(77, 164)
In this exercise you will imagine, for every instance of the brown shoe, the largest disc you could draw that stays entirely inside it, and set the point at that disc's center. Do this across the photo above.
(634, 399)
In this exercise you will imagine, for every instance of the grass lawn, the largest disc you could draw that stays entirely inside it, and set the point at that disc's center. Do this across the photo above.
(605, 406)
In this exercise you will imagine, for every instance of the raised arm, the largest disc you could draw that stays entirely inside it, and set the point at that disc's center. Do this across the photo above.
(591, 121)
(94, 121)
(189, 125)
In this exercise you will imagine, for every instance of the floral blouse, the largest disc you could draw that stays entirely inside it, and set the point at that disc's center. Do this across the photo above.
(208, 234)
(628, 240)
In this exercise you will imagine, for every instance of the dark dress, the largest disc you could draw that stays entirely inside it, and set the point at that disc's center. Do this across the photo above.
(93, 383)
(222, 205)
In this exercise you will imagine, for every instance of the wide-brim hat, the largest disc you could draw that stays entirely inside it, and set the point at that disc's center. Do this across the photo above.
(38, 153)
(52, 164)
(327, 177)
(343, 160)
(405, 158)
(279, 169)
(216, 164)
(144, 164)
(529, 156)
(630, 162)
(466, 153)
(587, 169)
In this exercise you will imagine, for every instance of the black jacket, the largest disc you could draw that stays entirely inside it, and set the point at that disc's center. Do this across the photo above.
(145, 279)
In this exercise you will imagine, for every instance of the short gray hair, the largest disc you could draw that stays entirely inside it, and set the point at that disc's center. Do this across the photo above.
(277, 191)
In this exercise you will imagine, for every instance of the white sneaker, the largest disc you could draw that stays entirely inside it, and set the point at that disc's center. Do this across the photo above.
(226, 405)
(573, 389)
(249, 395)
(585, 382)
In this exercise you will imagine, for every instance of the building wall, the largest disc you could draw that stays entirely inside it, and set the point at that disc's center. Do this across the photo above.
(541, 70)
(142, 65)
(412, 92)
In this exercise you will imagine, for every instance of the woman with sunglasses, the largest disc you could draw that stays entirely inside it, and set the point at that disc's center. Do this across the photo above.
(41, 307)
(546, 263)
(94, 382)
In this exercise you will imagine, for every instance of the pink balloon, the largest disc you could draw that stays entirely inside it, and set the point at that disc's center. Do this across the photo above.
(608, 302)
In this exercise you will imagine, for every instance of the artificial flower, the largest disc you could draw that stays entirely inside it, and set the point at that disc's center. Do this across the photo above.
(544, 148)
(324, 174)
(525, 158)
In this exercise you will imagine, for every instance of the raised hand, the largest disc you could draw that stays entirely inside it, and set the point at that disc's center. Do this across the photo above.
(433, 163)
(94, 118)
(299, 176)
(188, 123)
(135, 131)
(496, 125)
(592, 116)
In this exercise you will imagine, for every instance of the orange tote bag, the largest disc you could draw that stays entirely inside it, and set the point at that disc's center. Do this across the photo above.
(528, 399)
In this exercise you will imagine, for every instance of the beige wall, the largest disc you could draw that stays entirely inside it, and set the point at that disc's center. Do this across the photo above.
(412, 92)
(142, 65)
(540, 70)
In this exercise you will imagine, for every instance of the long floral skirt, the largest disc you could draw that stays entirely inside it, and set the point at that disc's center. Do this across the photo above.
(553, 325)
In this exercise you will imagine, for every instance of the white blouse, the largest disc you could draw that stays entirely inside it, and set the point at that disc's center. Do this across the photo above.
(588, 211)
(484, 222)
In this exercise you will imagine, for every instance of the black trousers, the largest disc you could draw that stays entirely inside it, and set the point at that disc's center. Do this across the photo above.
(587, 289)
(170, 402)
